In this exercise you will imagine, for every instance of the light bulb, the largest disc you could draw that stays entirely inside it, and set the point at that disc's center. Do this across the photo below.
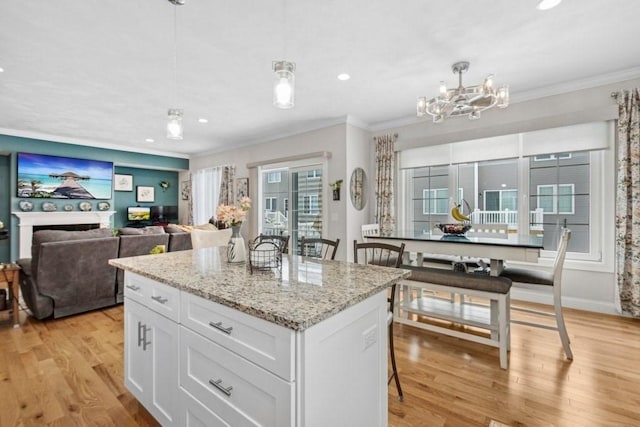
(421, 106)
(174, 124)
(283, 88)
(503, 96)
(443, 89)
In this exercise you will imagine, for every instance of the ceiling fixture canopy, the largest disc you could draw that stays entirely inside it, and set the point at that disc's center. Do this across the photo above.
(463, 101)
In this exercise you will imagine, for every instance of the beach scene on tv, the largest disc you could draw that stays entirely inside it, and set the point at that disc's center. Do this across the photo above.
(44, 176)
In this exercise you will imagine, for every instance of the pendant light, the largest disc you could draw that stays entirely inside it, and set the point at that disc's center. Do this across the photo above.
(174, 121)
(284, 82)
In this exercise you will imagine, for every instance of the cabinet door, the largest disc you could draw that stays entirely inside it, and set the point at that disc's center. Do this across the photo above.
(136, 367)
(151, 361)
(162, 346)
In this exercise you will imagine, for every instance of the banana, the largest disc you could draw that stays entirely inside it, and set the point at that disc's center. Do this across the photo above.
(457, 215)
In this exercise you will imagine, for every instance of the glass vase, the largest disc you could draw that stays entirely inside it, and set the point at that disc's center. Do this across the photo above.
(236, 251)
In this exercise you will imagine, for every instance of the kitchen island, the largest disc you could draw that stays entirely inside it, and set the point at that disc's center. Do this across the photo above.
(208, 343)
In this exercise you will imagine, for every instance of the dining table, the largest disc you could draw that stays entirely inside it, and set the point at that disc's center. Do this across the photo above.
(512, 246)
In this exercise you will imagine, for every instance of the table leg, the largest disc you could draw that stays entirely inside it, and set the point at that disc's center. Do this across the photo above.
(15, 296)
(497, 265)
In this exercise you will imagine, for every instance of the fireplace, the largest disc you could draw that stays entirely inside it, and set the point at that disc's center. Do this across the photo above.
(27, 221)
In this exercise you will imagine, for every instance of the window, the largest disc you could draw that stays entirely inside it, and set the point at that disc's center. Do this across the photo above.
(314, 174)
(558, 199)
(436, 201)
(544, 157)
(286, 206)
(271, 203)
(274, 177)
(500, 200)
(310, 205)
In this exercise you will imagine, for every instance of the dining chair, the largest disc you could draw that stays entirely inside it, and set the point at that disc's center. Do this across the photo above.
(209, 238)
(551, 281)
(388, 256)
(319, 248)
(281, 241)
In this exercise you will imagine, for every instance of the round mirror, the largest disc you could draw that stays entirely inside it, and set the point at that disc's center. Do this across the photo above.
(358, 188)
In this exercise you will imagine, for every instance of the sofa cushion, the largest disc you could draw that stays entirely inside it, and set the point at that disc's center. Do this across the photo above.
(44, 236)
(133, 231)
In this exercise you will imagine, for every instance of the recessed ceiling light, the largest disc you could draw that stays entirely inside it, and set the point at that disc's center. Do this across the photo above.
(201, 120)
(1, 70)
(344, 76)
(547, 4)
(149, 140)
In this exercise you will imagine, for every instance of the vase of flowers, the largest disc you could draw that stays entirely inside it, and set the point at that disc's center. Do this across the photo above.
(233, 216)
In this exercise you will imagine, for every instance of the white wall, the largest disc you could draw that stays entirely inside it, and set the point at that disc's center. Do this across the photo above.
(589, 286)
(331, 139)
(359, 147)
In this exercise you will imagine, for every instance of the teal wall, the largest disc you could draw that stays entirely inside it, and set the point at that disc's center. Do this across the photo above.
(5, 215)
(147, 170)
(147, 177)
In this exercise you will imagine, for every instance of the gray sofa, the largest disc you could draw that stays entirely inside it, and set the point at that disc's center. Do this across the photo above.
(69, 273)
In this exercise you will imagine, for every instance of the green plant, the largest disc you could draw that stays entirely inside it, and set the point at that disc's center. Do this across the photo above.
(336, 185)
(164, 184)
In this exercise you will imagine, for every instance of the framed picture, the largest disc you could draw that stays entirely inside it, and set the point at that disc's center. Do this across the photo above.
(123, 182)
(185, 190)
(242, 188)
(145, 194)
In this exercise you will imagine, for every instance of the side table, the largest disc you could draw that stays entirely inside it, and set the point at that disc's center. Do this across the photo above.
(10, 279)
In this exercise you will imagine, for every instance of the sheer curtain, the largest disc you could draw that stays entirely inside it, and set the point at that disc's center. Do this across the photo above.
(206, 193)
(628, 202)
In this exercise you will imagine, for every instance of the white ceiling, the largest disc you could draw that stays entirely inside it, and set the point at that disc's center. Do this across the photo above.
(101, 72)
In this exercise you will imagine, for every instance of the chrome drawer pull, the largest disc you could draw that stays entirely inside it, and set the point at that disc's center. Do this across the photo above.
(133, 288)
(160, 299)
(140, 337)
(145, 343)
(221, 328)
(218, 384)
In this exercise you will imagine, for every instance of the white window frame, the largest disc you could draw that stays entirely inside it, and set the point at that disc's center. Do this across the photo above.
(499, 191)
(547, 157)
(285, 203)
(274, 177)
(312, 207)
(555, 201)
(269, 202)
(313, 174)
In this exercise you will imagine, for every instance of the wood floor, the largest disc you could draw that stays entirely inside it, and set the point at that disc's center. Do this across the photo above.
(68, 372)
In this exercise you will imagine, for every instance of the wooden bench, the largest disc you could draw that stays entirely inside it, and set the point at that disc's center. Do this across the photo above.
(493, 317)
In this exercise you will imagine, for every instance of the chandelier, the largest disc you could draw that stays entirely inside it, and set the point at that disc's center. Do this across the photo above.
(463, 101)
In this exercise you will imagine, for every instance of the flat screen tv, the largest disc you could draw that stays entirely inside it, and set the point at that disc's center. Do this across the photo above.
(43, 176)
(138, 213)
(164, 213)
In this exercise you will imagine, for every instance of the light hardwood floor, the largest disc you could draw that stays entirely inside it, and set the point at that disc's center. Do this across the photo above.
(68, 372)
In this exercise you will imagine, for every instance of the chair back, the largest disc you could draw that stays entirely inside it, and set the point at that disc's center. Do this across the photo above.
(319, 248)
(370, 230)
(209, 238)
(500, 231)
(560, 254)
(378, 253)
(281, 241)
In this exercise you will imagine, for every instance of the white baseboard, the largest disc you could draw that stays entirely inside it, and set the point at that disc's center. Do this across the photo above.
(570, 302)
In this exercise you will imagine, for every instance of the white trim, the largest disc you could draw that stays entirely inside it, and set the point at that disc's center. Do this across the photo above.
(27, 220)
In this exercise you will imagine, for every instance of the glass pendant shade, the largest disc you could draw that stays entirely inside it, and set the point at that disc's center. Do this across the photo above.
(284, 84)
(174, 124)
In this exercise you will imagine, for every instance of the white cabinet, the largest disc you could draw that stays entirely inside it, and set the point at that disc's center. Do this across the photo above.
(151, 360)
(193, 362)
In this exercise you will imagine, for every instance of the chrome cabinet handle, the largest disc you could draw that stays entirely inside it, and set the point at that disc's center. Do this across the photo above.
(218, 384)
(145, 343)
(133, 288)
(140, 338)
(160, 299)
(221, 328)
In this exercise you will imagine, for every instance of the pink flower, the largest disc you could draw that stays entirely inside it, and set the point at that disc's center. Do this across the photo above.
(231, 215)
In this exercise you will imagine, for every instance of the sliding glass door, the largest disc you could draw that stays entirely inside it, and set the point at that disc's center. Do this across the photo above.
(292, 202)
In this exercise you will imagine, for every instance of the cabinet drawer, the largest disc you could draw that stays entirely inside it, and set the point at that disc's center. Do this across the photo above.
(158, 297)
(236, 390)
(266, 344)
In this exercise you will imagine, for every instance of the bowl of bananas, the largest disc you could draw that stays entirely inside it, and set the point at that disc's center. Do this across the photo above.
(456, 229)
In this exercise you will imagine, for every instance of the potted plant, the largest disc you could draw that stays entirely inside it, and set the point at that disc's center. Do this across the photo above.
(335, 186)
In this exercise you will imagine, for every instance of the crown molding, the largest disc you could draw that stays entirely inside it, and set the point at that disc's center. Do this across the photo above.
(89, 143)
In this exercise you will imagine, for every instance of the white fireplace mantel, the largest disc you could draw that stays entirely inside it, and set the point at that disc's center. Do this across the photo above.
(29, 219)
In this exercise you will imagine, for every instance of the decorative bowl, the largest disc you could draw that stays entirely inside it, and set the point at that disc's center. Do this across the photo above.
(454, 228)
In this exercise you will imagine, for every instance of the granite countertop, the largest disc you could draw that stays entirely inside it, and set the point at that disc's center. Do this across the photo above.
(301, 293)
